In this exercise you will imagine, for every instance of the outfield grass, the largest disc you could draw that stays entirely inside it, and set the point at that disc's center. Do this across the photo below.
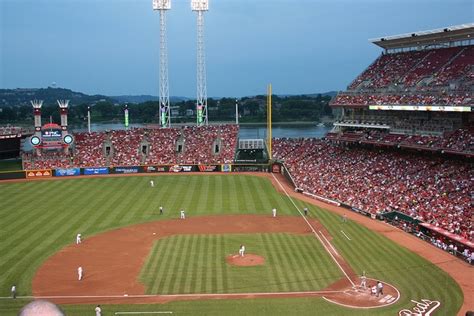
(185, 264)
(39, 218)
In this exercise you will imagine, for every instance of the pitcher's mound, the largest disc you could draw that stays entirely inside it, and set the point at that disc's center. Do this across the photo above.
(245, 261)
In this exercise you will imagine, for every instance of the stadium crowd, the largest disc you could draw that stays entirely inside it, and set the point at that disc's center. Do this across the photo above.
(199, 145)
(9, 130)
(437, 66)
(434, 190)
(418, 99)
(460, 141)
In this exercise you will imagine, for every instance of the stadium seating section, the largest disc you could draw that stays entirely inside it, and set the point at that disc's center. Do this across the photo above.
(200, 145)
(437, 76)
(432, 189)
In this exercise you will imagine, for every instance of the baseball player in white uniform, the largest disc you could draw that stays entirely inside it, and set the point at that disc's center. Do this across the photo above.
(182, 216)
(242, 250)
(363, 281)
(78, 239)
(79, 273)
(98, 311)
(152, 183)
(274, 212)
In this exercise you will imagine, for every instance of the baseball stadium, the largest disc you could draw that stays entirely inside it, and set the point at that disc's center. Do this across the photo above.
(375, 218)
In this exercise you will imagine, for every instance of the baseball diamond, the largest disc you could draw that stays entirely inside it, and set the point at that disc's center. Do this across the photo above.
(132, 254)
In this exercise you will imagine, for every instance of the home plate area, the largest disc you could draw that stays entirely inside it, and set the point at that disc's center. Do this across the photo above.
(358, 297)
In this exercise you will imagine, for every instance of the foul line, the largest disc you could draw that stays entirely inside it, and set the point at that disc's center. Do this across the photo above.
(332, 247)
(174, 295)
(128, 313)
(312, 228)
(345, 234)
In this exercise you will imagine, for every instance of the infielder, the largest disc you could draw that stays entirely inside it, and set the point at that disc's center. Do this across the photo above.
(152, 183)
(79, 273)
(274, 212)
(182, 216)
(78, 239)
(242, 250)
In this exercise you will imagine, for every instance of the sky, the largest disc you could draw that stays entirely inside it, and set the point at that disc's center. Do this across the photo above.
(111, 47)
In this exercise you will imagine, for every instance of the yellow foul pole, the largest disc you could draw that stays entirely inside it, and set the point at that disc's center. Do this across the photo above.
(269, 120)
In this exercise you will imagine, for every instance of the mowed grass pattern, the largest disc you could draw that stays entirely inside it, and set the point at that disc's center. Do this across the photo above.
(184, 264)
(39, 218)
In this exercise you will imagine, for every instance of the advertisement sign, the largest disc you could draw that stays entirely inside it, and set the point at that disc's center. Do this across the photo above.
(30, 174)
(178, 168)
(93, 171)
(126, 170)
(226, 168)
(204, 168)
(249, 168)
(187, 168)
(67, 172)
(150, 169)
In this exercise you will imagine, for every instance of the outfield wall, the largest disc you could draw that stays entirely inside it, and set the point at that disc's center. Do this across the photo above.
(154, 169)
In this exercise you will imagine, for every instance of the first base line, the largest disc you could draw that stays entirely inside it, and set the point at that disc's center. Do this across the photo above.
(131, 313)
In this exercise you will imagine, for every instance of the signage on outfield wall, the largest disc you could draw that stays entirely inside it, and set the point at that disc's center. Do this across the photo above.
(204, 168)
(30, 174)
(226, 168)
(186, 168)
(155, 168)
(67, 172)
(422, 308)
(93, 171)
(126, 170)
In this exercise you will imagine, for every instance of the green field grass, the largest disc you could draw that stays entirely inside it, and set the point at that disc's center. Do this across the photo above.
(41, 217)
(196, 264)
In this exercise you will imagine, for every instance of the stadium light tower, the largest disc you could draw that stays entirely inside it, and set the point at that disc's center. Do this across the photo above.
(200, 6)
(162, 6)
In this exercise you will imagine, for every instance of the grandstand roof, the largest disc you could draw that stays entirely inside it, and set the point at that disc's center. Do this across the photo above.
(427, 38)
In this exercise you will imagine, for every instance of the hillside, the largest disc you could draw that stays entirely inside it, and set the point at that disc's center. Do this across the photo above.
(20, 96)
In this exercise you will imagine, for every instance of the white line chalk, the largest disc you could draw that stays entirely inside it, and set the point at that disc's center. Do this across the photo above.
(345, 235)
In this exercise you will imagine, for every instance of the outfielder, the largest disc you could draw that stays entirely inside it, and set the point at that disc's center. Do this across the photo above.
(13, 291)
(78, 239)
(182, 216)
(274, 212)
(98, 311)
(161, 210)
(79, 273)
(152, 183)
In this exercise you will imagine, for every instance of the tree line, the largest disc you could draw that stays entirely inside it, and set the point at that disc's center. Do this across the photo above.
(250, 109)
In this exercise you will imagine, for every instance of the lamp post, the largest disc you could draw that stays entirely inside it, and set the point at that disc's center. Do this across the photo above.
(89, 119)
(236, 111)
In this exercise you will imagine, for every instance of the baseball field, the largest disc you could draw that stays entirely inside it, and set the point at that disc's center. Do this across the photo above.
(136, 260)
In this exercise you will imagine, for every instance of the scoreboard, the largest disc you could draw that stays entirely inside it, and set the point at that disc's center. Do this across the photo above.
(51, 137)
